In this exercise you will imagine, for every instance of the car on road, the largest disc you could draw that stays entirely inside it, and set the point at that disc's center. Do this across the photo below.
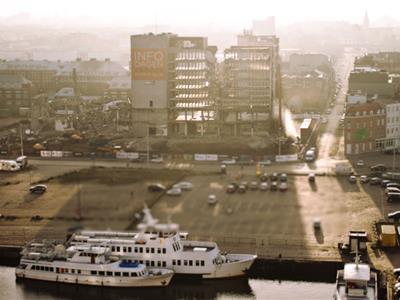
(245, 184)
(157, 160)
(265, 162)
(375, 181)
(212, 199)
(228, 162)
(393, 197)
(395, 215)
(253, 185)
(352, 179)
(283, 186)
(364, 179)
(241, 189)
(184, 185)
(311, 177)
(175, 191)
(283, 177)
(317, 224)
(139, 159)
(378, 168)
(274, 186)
(156, 187)
(360, 163)
(38, 189)
(263, 186)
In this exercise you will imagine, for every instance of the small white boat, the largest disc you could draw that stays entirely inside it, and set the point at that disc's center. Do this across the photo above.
(357, 282)
(86, 265)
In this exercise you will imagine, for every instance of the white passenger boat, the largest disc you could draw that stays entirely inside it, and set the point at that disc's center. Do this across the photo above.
(162, 245)
(86, 265)
(356, 282)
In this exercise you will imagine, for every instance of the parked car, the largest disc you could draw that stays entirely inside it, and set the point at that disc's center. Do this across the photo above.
(360, 163)
(378, 168)
(375, 181)
(264, 177)
(274, 176)
(38, 189)
(274, 186)
(352, 179)
(392, 190)
(393, 197)
(245, 184)
(139, 159)
(311, 177)
(241, 189)
(212, 199)
(263, 186)
(230, 189)
(385, 182)
(156, 187)
(283, 186)
(283, 177)
(184, 185)
(395, 215)
(393, 184)
(254, 185)
(364, 179)
(175, 191)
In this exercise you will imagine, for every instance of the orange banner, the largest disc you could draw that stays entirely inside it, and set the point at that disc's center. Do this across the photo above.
(148, 64)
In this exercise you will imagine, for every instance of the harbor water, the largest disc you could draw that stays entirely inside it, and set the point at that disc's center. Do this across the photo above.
(180, 288)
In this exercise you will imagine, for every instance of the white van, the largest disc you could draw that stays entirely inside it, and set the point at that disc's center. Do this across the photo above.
(310, 155)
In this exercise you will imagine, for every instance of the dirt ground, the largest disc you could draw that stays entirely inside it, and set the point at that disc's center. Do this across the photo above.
(98, 197)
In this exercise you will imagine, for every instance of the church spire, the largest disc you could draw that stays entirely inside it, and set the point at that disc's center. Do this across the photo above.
(366, 20)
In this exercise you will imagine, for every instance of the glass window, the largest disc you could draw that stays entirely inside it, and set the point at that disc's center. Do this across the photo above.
(133, 274)
(190, 262)
(147, 250)
(152, 250)
(179, 262)
(164, 264)
(93, 272)
(164, 250)
(117, 274)
(197, 263)
(152, 263)
(129, 249)
(125, 274)
(159, 250)
(185, 262)
(136, 249)
(202, 263)
(158, 263)
(124, 249)
(173, 262)
(141, 249)
(118, 248)
(109, 273)
(101, 273)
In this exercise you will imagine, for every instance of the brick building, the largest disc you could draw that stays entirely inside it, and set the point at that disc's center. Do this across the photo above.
(15, 95)
(364, 127)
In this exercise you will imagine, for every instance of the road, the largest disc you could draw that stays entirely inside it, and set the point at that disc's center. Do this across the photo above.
(330, 145)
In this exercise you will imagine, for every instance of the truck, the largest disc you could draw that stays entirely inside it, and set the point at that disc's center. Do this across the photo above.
(9, 165)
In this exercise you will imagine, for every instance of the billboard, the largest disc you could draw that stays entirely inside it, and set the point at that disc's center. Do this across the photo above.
(148, 64)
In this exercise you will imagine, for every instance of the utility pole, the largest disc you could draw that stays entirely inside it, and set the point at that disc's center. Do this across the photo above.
(21, 139)
(147, 143)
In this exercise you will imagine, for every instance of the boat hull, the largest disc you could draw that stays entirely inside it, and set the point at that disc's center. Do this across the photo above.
(148, 281)
(238, 266)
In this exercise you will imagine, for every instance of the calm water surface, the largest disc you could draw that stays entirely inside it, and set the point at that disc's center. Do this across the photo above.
(180, 288)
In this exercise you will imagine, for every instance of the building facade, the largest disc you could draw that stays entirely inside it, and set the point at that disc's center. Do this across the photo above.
(250, 85)
(173, 85)
(15, 96)
(364, 128)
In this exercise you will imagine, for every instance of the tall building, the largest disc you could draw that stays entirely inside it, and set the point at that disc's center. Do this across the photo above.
(15, 96)
(173, 85)
(250, 80)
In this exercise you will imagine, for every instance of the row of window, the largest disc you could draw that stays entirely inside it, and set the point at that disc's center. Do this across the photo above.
(189, 262)
(153, 263)
(117, 274)
(128, 249)
(77, 271)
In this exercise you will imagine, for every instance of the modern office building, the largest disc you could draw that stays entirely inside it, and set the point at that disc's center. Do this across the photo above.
(173, 85)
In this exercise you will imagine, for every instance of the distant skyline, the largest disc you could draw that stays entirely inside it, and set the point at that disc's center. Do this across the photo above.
(197, 13)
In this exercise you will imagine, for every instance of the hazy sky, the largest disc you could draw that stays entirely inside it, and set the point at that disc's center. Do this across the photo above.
(200, 12)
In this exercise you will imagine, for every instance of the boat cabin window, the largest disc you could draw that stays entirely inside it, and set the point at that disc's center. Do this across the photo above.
(109, 273)
(159, 264)
(78, 271)
(141, 249)
(101, 273)
(164, 250)
(197, 263)
(173, 262)
(152, 263)
(133, 274)
(118, 248)
(93, 272)
(129, 249)
(190, 262)
(159, 250)
(152, 250)
(147, 263)
(136, 249)
(179, 262)
(147, 250)
(164, 264)
(125, 274)
(202, 263)
(185, 262)
(124, 249)
(113, 248)
(72, 271)
(117, 274)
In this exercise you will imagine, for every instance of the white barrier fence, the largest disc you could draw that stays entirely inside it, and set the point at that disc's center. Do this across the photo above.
(206, 157)
(286, 158)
